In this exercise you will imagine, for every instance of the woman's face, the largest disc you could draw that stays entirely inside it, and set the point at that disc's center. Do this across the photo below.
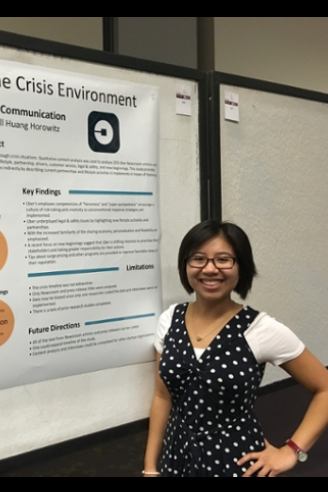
(211, 283)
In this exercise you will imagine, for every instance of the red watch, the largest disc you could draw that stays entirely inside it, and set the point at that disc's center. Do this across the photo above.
(301, 455)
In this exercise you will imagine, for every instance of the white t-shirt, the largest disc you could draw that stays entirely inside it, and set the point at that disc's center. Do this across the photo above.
(269, 340)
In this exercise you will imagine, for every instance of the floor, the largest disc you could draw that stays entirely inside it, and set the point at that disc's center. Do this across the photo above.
(122, 454)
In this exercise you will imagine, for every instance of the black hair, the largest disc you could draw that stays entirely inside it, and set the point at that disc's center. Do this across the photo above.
(238, 240)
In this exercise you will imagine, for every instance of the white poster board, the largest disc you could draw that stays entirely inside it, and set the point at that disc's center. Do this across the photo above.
(40, 414)
(79, 223)
(274, 185)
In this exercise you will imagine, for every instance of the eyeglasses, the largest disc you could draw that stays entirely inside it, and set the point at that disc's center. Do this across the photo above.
(220, 262)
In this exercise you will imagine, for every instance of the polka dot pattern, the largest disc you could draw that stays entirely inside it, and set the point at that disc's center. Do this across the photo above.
(212, 423)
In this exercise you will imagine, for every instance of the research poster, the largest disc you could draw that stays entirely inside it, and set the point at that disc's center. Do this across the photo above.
(79, 223)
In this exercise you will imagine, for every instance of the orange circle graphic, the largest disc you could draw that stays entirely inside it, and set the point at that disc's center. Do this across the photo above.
(3, 250)
(7, 323)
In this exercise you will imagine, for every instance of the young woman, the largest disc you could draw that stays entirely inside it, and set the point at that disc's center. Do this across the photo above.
(211, 356)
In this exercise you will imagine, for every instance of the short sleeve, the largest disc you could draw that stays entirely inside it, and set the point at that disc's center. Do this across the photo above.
(163, 326)
(271, 341)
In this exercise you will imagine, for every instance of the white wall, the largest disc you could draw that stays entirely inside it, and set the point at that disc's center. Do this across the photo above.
(274, 175)
(275, 186)
(170, 40)
(286, 50)
(80, 31)
(46, 413)
(164, 39)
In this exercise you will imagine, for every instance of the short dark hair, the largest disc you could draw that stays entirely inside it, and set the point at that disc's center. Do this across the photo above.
(238, 240)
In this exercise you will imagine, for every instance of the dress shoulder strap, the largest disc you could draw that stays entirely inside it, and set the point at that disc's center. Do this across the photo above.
(247, 316)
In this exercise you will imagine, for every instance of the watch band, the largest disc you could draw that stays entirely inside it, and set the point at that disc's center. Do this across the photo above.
(301, 455)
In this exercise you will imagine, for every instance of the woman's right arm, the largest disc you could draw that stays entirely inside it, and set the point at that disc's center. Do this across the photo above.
(159, 415)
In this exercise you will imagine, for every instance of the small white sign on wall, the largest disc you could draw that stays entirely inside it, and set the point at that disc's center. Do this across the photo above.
(231, 106)
(183, 99)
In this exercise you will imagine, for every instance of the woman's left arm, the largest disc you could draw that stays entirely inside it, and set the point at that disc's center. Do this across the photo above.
(313, 376)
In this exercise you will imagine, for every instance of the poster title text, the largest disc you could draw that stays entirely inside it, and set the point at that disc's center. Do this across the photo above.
(60, 89)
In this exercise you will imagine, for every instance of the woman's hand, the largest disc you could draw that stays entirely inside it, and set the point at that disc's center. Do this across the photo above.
(270, 462)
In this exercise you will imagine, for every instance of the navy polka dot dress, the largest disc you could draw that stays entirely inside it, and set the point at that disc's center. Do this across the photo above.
(212, 422)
